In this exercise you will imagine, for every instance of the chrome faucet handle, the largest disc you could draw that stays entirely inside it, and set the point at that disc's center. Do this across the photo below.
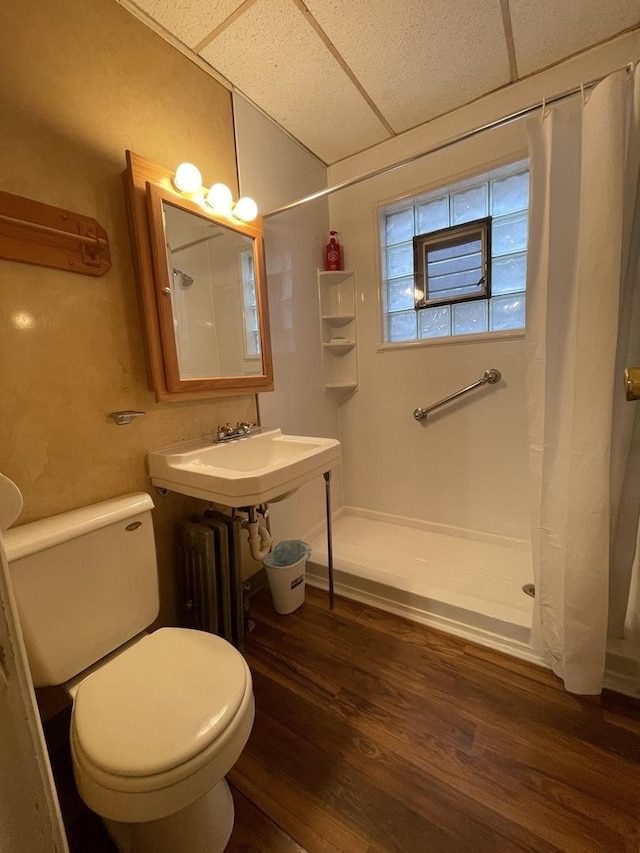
(246, 426)
(223, 430)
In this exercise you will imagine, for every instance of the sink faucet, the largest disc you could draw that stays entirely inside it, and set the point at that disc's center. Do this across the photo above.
(225, 432)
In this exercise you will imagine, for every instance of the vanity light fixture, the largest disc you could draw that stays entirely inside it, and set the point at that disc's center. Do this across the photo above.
(219, 198)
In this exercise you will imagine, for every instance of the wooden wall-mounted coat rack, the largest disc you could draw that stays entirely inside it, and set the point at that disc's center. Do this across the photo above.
(35, 233)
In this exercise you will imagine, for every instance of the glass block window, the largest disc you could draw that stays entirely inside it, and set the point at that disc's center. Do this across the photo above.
(503, 195)
(249, 305)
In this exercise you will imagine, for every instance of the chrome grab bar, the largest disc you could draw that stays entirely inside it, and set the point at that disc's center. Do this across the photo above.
(490, 377)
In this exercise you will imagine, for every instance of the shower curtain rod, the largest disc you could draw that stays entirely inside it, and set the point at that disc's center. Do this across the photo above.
(470, 134)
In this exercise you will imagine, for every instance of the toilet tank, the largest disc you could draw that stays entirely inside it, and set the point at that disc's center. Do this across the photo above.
(85, 582)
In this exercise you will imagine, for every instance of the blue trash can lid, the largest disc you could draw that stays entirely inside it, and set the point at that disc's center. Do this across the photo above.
(287, 552)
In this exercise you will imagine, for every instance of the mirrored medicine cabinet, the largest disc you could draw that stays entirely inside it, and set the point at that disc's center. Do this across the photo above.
(202, 291)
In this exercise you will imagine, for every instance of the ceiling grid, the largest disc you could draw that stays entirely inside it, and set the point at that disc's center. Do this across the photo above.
(342, 76)
(508, 34)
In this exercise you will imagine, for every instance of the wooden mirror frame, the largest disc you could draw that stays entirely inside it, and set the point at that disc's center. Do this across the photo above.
(161, 357)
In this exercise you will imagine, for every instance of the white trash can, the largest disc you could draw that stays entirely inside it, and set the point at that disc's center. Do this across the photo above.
(287, 578)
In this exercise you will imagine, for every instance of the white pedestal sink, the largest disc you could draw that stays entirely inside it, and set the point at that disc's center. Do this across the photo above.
(246, 471)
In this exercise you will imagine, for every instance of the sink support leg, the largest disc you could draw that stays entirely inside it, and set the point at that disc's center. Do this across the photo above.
(327, 490)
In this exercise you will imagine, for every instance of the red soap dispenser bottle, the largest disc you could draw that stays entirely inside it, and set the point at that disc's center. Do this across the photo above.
(333, 254)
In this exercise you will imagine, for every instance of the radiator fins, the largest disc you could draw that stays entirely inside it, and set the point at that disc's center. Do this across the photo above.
(211, 585)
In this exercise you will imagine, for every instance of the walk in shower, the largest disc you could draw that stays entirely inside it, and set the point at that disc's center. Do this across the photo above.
(532, 478)
(466, 582)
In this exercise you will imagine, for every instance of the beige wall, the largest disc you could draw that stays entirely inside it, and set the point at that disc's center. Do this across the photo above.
(82, 82)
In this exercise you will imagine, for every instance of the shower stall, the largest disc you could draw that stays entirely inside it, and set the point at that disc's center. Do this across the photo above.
(475, 584)
(433, 519)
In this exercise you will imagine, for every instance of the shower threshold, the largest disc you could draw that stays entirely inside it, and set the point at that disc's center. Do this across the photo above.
(465, 583)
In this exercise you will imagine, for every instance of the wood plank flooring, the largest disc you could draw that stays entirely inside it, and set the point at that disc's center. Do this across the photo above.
(375, 734)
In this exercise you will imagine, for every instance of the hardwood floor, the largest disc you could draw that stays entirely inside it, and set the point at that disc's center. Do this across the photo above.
(375, 734)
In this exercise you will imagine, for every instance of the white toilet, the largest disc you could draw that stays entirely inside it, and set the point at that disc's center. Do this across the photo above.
(158, 719)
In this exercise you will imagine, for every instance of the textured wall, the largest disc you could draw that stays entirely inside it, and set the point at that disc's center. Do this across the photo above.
(82, 82)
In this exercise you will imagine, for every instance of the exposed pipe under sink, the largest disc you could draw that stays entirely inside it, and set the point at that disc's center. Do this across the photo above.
(259, 536)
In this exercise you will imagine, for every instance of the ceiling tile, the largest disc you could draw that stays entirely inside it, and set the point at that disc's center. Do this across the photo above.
(274, 57)
(419, 58)
(545, 33)
(189, 20)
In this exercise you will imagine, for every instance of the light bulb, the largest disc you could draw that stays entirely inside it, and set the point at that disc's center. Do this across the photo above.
(246, 209)
(187, 178)
(220, 198)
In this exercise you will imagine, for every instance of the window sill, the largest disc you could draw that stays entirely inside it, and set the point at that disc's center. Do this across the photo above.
(453, 340)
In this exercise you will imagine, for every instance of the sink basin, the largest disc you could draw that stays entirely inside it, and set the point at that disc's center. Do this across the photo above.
(246, 471)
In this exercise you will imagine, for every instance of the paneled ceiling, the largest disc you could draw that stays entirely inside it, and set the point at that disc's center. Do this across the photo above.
(344, 75)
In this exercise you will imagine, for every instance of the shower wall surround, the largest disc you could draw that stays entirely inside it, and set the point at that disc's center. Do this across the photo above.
(467, 466)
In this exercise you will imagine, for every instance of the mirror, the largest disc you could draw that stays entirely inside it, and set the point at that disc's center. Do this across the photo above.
(203, 291)
(205, 274)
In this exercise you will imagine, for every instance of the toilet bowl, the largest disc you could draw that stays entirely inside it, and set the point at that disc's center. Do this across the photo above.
(157, 729)
(158, 718)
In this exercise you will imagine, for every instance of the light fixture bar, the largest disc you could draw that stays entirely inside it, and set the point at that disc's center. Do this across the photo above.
(219, 198)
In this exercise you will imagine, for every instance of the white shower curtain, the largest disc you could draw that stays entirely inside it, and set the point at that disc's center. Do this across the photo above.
(582, 254)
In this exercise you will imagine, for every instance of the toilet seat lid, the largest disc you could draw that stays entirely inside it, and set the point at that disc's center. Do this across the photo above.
(159, 703)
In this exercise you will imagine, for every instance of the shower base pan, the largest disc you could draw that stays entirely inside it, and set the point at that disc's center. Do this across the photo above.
(465, 583)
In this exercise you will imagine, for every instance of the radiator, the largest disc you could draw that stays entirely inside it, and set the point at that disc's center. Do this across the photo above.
(211, 584)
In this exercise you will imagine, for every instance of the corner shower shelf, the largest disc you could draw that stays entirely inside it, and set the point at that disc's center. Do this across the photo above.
(343, 388)
(337, 298)
(338, 319)
(339, 346)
